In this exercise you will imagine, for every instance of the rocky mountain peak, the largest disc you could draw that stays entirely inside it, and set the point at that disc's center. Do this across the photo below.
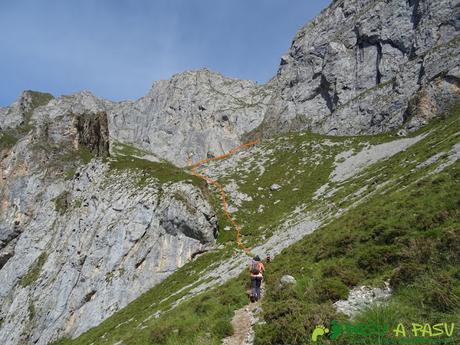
(193, 113)
(20, 112)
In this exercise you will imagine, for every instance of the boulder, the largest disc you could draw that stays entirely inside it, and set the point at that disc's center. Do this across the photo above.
(287, 280)
(275, 187)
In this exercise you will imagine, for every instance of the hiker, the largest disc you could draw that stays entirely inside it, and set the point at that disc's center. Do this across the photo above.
(268, 258)
(256, 268)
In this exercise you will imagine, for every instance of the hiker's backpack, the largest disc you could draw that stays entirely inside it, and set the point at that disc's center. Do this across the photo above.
(255, 267)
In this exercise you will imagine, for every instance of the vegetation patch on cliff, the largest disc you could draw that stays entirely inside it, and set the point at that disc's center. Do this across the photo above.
(126, 157)
(7, 140)
(62, 202)
(34, 271)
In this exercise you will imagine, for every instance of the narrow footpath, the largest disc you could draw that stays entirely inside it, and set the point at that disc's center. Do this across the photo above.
(220, 187)
(246, 317)
(243, 322)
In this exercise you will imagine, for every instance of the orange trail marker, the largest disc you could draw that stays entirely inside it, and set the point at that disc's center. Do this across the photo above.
(220, 187)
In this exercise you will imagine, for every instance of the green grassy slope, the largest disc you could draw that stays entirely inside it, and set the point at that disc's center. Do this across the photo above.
(408, 234)
(409, 237)
(300, 163)
(406, 230)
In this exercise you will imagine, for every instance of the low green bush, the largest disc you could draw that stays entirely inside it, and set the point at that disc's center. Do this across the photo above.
(222, 328)
(330, 289)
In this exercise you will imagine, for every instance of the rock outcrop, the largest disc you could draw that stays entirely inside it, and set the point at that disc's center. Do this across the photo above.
(369, 66)
(79, 241)
(194, 113)
(362, 297)
(19, 113)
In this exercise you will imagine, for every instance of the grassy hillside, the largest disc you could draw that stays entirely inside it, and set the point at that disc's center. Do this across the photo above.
(402, 225)
(409, 237)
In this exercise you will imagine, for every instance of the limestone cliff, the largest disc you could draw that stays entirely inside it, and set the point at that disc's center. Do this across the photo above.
(80, 237)
(369, 66)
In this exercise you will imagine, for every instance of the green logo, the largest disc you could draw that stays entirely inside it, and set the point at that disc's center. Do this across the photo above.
(318, 331)
(369, 332)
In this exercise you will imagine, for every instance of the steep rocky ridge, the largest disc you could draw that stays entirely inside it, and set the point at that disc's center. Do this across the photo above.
(79, 239)
(369, 66)
(195, 112)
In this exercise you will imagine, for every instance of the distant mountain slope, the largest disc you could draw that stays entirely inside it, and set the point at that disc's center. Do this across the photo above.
(360, 67)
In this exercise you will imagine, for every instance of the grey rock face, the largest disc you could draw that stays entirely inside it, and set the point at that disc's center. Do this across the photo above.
(181, 119)
(74, 251)
(369, 66)
(194, 113)
(19, 112)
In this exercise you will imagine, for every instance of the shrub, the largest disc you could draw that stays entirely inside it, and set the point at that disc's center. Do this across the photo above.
(347, 273)
(62, 203)
(440, 292)
(449, 246)
(375, 259)
(330, 289)
(7, 140)
(291, 322)
(405, 274)
(222, 328)
(159, 334)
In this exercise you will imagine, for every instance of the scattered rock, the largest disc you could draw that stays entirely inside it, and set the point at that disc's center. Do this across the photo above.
(362, 297)
(275, 187)
(287, 280)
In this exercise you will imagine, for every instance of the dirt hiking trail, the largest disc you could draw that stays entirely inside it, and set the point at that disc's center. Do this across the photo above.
(242, 323)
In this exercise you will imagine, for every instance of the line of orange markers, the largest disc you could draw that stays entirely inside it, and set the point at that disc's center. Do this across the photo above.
(221, 187)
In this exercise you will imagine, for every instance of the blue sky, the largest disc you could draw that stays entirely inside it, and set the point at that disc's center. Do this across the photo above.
(117, 48)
